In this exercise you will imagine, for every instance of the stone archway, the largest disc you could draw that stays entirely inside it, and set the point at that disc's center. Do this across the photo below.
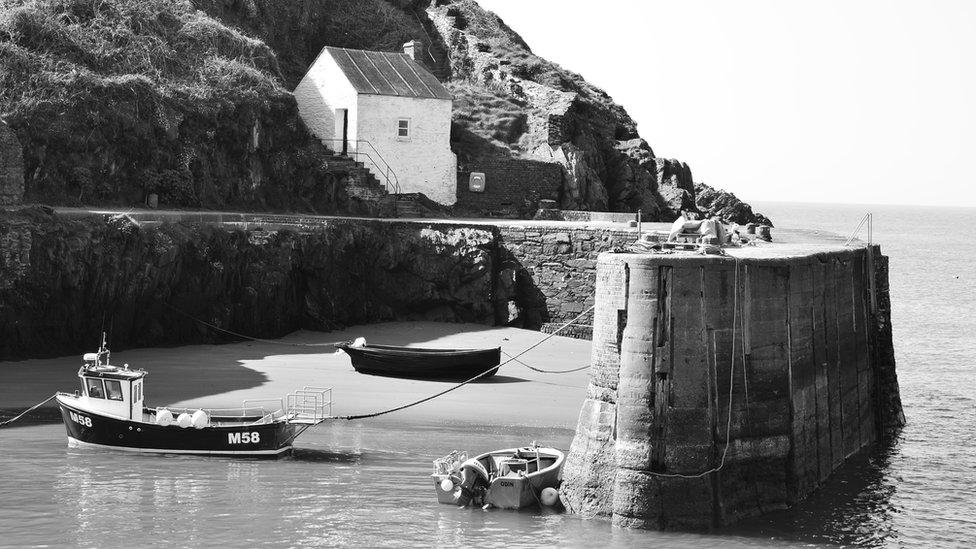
(11, 167)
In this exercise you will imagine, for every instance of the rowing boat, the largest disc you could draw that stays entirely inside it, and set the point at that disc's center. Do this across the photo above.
(415, 362)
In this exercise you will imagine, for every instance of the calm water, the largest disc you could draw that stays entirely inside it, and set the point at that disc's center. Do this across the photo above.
(367, 483)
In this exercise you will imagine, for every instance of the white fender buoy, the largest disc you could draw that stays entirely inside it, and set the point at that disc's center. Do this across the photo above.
(184, 420)
(549, 496)
(199, 419)
(447, 485)
(164, 418)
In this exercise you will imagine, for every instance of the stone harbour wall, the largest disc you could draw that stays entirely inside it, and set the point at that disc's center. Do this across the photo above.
(556, 269)
(268, 275)
(63, 281)
(798, 344)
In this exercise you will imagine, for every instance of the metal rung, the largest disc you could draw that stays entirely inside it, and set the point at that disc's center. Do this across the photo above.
(309, 405)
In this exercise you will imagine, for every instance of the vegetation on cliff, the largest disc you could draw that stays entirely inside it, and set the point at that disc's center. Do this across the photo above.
(118, 99)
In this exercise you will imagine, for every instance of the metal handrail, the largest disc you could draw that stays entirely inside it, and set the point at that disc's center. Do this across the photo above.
(869, 219)
(307, 404)
(385, 170)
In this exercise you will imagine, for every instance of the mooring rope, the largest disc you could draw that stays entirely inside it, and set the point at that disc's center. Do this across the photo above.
(27, 411)
(728, 424)
(242, 336)
(475, 378)
(540, 370)
(333, 343)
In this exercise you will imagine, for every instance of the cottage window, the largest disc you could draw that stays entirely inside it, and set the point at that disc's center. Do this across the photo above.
(403, 129)
(95, 388)
(113, 389)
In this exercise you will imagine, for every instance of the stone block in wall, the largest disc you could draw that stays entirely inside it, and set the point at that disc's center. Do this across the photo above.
(11, 167)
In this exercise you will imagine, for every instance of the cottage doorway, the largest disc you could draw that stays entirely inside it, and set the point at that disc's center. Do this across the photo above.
(342, 129)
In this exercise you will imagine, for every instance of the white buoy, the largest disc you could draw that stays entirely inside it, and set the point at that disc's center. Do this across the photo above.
(164, 418)
(184, 420)
(549, 496)
(447, 485)
(199, 419)
(359, 342)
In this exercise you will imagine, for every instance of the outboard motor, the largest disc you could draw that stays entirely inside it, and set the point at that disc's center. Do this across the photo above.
(475, 481)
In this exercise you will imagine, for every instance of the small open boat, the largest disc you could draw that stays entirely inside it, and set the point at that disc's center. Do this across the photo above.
(508, 479)
(108, 412)
(414, 362)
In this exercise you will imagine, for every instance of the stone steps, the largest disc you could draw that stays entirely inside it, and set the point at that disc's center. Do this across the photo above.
(406, 205)
(361, 183)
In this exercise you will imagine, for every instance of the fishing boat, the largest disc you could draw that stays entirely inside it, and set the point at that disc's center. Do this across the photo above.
(108, 412)
(416, 362)
(514, 478)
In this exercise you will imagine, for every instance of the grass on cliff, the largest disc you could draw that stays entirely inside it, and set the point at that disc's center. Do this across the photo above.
(57, 53)
(298, 29)
(113, 99)
(493, 124)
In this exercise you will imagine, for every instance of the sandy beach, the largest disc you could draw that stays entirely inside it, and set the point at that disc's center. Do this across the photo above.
(219, 376)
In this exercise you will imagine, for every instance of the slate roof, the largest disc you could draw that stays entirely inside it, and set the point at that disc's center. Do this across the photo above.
(387, 73)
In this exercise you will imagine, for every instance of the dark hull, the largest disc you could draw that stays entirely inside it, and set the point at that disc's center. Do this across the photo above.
(410, 362)
(88, 428)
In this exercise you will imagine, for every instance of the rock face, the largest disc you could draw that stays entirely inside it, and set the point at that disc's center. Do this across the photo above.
(11, 167)
(607, 165)
(62, 281)
(711, 201)
(793, 349)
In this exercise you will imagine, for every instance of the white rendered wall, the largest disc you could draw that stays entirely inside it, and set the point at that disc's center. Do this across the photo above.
(323, 90)
(424, 163)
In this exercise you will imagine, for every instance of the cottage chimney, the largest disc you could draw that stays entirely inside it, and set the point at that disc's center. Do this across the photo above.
(415, 49)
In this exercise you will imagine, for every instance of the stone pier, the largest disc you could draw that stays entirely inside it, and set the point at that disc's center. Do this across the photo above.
(794, 341)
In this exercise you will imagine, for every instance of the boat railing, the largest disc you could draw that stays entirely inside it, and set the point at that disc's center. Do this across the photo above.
(310, 405)
(249, 408)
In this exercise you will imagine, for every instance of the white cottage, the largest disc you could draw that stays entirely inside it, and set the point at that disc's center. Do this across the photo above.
(384, 108)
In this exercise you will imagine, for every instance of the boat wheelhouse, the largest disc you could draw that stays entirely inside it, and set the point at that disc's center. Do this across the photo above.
(109, 412)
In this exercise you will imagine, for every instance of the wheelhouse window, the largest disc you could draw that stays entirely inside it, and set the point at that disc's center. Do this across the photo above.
(94, 387)
(403, 129)
(113, 389)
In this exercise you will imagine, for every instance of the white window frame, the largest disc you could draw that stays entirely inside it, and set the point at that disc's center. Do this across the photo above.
(121, 394)
(409, 129)
(101, 384)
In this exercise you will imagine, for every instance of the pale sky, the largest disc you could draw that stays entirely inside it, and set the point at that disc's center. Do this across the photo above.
(862, 101)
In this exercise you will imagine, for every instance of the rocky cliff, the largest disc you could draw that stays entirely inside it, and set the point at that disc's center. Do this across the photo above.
(512, 102)
(116, 100)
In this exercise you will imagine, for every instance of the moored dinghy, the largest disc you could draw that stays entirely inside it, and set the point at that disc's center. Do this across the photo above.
(513, 478)
(417, 362)
(109, 413)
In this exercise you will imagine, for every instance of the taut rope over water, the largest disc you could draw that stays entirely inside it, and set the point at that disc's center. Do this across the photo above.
(27, 411)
